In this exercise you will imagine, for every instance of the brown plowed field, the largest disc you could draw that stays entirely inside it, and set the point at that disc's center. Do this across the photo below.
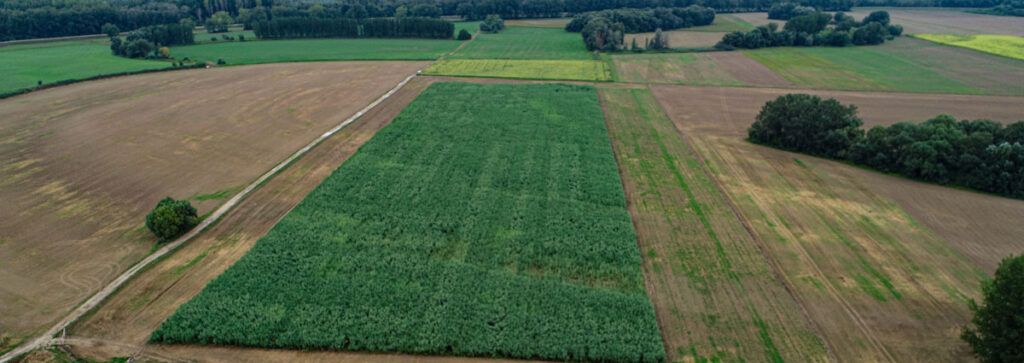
(748, 71)
(83, 164)
(873, 258)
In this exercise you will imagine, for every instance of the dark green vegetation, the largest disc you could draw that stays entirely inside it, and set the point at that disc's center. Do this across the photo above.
(1007, 8)
(980, 154)
(486, 220)
(354, 28)
(301, 50)
(524, 43)
(787, 10)
(143, 41)
(171, 219)
(492, 24)
(812, 30)
(647, 20)
(998, 335)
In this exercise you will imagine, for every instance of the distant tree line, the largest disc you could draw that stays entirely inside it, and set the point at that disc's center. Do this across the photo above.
(647, 20)
(981, 154)
(813, 30)
(1008, 8)
(23, 19)
(787, 10)
(354, 28)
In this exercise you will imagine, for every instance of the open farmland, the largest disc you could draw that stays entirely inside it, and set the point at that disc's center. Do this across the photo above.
(515, 42)
(903, 65)
(875, 277)
(130, 316)
(713, 68)
(305, 50)
(23, 66)
(716, 297)
(482, 213)
(949, 21)
(84, 163)
(572, 70)
(1004, 45)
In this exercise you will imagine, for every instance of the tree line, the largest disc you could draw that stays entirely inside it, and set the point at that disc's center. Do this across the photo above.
(980, 154)
(142, 42)
(404, 27)
(23, 19)
(814, 30)
(647, 20)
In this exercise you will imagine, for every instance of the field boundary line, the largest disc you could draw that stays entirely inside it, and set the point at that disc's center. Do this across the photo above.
(761, 246)
(96, 299)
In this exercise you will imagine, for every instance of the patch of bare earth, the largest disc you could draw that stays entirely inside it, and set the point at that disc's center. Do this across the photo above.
(678, 38)
(872, 257)
(83, 164)
(747, 70)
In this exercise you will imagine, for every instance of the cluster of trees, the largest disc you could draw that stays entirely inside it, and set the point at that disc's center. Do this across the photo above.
(998, 332)
(26, 19)
(219, 22)
(604, 30)
(492, 24)
(980, 154)
(171, 218)
(647, 20)
(144, 41)
(813, 30)
(404, 27)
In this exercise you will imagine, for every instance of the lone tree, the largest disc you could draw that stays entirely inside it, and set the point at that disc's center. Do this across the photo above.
(171, 218)
(464, 35)
(492, 24)
(998, 335)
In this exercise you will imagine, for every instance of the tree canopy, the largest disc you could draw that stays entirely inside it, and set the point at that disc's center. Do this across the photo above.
(998, 332)
(171, 218)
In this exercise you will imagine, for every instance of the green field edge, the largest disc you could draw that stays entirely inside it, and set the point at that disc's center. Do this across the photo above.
(963, 47)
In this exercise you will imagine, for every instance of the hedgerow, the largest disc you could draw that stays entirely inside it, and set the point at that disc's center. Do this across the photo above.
(486, 220)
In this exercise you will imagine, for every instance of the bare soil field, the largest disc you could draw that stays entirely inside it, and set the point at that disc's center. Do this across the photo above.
(130, 316)
(715, 295)
(679, 38)
(84, 163)
(878, 274)
(712, 68)
(947, 21)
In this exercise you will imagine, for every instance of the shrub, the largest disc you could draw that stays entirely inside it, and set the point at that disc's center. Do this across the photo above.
(164, 52)
(111, 30)
(998, 335)
(465, 35)
(219, 22)
(871, 34)
(837, 39)
(171, 218)
(492, 24)
(660, 41)
(895, 30)
(138, 48)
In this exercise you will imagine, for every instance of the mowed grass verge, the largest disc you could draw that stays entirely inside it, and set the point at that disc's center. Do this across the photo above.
(486, 220)
(1004, 45)
(573, 70)
(23, 66)
(303, 50)
(856, 68)
(525, 43)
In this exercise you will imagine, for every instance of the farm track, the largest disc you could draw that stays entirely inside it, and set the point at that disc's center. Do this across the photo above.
(95, 300)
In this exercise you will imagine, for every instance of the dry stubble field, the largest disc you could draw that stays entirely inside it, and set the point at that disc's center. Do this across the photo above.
(867, 254)
(84, 163)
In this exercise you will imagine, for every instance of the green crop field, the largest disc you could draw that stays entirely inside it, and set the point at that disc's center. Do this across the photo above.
(525, 43)
(682, 68)
(1004, 45)
(271, 51)
(486, 220)
(573, 70)
(23, 66)
(856, 68)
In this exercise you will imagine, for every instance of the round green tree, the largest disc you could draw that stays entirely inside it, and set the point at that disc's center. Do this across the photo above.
(171, 218)
(998, 335)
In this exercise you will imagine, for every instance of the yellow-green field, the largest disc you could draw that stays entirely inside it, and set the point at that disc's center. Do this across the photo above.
(573, 70)
(1004, 45)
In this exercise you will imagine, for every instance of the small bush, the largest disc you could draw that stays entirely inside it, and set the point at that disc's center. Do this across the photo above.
(465, 35)
(171, 218)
